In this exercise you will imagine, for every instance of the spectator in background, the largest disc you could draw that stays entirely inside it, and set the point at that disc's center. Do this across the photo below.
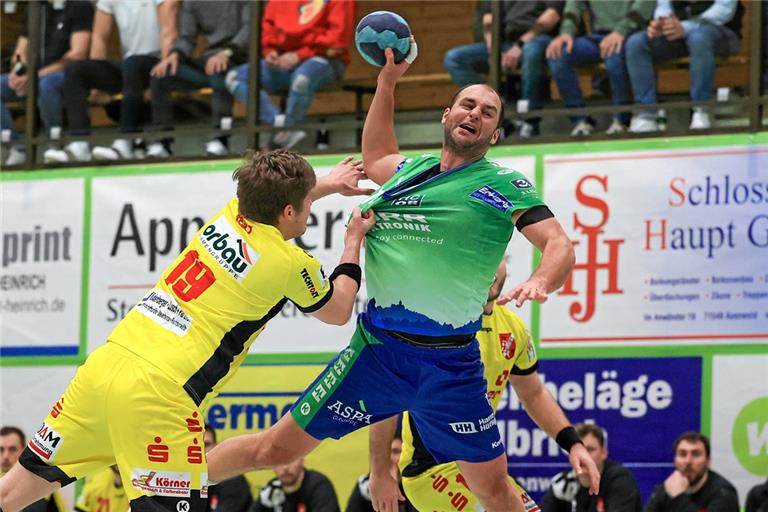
(701, 30)
(233, 495)
(757, 499)
(305, 46)
(360, 500)
(225, 26)
(618, 488)
(692, 486)
(12, 441)
(140, 46)
(528, 27)
(66, 34)
(103, 492)
(611, 23)
(297, 489)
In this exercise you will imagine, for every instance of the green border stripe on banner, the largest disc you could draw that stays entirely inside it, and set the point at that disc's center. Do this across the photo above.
(706, 395)
(86, 275)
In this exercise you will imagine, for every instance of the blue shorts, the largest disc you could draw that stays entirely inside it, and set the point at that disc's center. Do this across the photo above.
(378, 376)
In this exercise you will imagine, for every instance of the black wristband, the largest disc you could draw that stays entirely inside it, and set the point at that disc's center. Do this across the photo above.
(350, 270)
(568, 437)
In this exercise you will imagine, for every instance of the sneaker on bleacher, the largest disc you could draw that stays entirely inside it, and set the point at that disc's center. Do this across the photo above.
(643, 125)
(158, 150)
(16, 156)
(700, 120)
(77, 151)
(616, 128)
(216, 147)
(582, 129)
(286, 139)
(121, 149)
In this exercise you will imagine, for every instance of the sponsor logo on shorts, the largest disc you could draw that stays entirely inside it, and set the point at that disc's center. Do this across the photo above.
(162, 483)
(230, 251)
(163, 309)
(309, 283)
(305, 408)
(204, 485)
(332, 376)
(496, 443)
(464, 427)
(492, 198)
(182, 506)
(46, 442)
(347, 414)
(487, 422)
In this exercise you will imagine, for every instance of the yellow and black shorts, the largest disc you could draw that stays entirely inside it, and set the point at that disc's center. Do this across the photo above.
(442, 488)
(120, 409)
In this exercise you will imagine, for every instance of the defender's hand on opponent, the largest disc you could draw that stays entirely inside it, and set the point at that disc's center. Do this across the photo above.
(585, 468)
(392, 72)
(359, 224)
(346, 176)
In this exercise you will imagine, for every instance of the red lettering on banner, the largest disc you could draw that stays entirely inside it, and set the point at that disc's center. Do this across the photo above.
(677, 191)
(583, 312)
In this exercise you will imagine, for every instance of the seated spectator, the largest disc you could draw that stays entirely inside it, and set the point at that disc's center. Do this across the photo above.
(66, 34)
(528, 27)
(305, 46)
(618, 488)
(12, 441)
(140, 43)
(757, 499)
(611, 23)
(701, 30)
(360, 499)
(103, 492)
(225, 25)
(233, 495)
(297, 489)
(692, 486)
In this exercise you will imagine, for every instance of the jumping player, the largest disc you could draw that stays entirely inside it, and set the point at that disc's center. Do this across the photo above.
(138, 399)
(443, 224)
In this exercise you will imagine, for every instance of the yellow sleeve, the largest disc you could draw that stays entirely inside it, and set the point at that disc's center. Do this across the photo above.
(307, 286)
(524, 360)
(83, 501)
(58, 500)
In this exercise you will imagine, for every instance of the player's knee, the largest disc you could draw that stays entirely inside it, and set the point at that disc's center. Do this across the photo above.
(499, 494)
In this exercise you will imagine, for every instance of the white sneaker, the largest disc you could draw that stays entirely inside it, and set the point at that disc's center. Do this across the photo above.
(215, 147)
(77, 151)
(582, 129)
(700, 119)
(16, 156)
(643, 125)
(121, 149)
(288, 139)
(525, 130)
(616, 128)
(157, 150)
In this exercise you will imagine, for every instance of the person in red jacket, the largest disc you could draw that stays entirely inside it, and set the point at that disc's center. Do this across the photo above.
(305, 46)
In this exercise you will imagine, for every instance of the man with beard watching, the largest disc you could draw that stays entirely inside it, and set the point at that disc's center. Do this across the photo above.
(297, 489)
(692, 486)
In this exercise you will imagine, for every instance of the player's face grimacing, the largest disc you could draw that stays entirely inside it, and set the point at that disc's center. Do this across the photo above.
(471, 123)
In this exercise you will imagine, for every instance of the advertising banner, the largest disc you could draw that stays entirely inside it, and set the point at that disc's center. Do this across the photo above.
(670, 247)
(631, 399)
(41, 270)
(740, 422)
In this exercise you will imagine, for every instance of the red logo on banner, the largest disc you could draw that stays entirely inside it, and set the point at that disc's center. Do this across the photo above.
(582, 312)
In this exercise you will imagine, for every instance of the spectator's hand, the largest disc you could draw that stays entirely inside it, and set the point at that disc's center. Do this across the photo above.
(288, 60)
(359, 225)
(555, 47)
(532, 289)
(166, 67)
(271, 58)
(511, 58)
(611, 44)
(672, 29)
(217, 63)
(654, 29)
(676, 484)
(392, 72)
(18, 83)
(385, 493)
(345, 177)
(585, 468)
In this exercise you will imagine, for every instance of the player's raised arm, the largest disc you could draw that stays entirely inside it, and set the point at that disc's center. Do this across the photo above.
(381, 153)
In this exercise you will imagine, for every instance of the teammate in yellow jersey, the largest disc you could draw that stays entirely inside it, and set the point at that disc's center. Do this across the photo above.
(508, 354)
(138, 399)
(103, 492)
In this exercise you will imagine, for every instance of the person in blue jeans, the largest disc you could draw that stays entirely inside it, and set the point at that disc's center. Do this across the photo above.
(528, 28)
(66, 37)
(305, 46)
(612, 23)
(701, 30)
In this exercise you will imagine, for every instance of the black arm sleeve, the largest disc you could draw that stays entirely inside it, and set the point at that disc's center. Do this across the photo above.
(533, 215)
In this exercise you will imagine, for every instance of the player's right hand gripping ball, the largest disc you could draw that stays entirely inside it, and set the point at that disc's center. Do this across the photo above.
(379, 30)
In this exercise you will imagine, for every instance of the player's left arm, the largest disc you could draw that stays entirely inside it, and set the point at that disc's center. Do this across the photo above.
(557, 259)
(544, 410)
